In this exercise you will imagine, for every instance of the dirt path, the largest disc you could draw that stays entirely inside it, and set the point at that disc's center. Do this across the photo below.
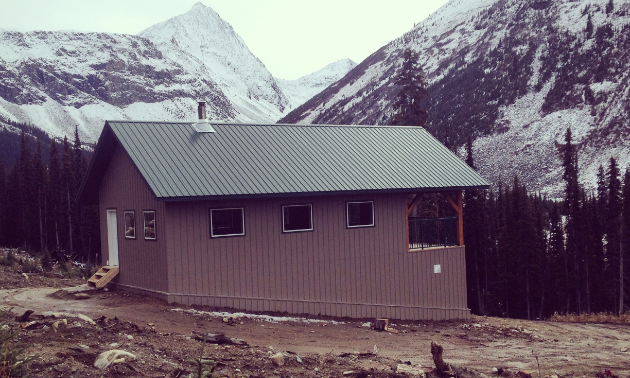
(480, 344)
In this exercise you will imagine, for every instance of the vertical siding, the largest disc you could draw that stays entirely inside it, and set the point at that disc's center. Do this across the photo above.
(142, 263)
(333, 270)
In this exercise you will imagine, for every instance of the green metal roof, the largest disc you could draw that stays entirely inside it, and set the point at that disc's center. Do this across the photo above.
(248, 160)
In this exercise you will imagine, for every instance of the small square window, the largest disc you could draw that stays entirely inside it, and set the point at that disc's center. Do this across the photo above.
(227, 222)
(149, 225)
(360, 214)
(130, 224)
(297, 218)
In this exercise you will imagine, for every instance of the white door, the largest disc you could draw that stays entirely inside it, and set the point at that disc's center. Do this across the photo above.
(112, 237)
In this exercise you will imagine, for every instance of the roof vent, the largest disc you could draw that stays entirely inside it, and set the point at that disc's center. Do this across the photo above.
(202, 126)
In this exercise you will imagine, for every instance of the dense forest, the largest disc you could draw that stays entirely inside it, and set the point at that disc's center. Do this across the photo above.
(38, 208)
(530, 257)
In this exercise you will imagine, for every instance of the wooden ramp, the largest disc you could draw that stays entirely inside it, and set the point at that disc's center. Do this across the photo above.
(103, 276)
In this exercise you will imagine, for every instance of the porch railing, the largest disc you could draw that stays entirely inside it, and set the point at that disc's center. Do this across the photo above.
(432, 232)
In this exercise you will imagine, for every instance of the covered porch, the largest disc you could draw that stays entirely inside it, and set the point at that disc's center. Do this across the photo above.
(438, 227)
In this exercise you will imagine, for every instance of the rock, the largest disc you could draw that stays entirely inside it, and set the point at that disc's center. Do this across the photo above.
(298, 359)
(495, 370)
(59, 323)
(349, 372)
(81, 296)
(129, 337)
(86, 319)
(112, 356)
(624, 349)
(114, 345)
(277, 359)
(25, 275)
(84, 347)
(413, 371)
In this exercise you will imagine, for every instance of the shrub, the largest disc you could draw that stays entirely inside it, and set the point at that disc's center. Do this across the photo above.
(13, 361)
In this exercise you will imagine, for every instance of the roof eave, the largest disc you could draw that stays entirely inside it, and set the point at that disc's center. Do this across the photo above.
(320, 194)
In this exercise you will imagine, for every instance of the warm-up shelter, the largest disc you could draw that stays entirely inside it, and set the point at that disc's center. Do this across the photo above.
(304, 219)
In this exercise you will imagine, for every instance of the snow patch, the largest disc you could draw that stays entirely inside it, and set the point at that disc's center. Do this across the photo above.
(264, 318)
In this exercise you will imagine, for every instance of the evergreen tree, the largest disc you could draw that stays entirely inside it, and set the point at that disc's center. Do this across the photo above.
(595, 251)
(554, 285)
(602, 195)
(68, 193)
(610, 7)
(54, 195)
(40, 183)
(572, 204)
(26, 208)
(474, 236)
(589, 27)
(3, 205)
(408, 110)
(624, 248)
(613, 229)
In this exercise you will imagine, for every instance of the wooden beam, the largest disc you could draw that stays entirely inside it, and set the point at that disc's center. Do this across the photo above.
(460, 225)
(457, 203)
(414, 203)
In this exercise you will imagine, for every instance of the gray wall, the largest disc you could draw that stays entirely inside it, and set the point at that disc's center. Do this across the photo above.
(363, 273)
(142, 262)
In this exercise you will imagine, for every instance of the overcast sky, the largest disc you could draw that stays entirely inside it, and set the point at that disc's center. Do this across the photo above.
(292, 38)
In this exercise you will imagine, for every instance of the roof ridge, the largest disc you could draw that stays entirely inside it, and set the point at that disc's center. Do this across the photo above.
(274, 124)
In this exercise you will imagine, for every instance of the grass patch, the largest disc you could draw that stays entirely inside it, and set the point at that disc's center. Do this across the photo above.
(13, 359)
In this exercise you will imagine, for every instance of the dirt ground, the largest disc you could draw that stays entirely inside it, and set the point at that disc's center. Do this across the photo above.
(161, 337)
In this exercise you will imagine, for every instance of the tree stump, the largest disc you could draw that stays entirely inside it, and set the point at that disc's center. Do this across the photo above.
(381, 324)
(441, 367)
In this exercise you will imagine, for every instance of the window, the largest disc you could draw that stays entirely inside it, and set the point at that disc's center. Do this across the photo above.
(360, 214)
(149, 225)
(130, 224)
(297, 218)
(227, 222)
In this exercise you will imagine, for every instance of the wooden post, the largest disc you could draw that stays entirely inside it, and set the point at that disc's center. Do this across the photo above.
(460, 214)
(457, 204)
(409, 209)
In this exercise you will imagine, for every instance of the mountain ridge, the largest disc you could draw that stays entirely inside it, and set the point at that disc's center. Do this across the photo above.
(62, 79)
(511, 74)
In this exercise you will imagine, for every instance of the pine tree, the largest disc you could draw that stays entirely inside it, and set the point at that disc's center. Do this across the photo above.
(553, 283)
(78, 172)
(589, 27)
(54, 196)
(474, 234)
(3, 205)
(572, 204)
(25, 210)
(408, 110)
(68, 191)
(613, 229)
(624, 248)
(610, 7)
(40, 183)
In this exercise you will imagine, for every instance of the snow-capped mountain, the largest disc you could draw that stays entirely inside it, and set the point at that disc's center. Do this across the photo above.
(208, 46)
(59, 80)
(300, 90)
(514, 75)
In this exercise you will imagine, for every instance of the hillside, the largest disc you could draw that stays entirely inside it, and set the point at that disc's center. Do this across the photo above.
(513, 75)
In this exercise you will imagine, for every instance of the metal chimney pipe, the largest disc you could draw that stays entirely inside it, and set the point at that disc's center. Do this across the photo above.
(202, 125)
(201, 110)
